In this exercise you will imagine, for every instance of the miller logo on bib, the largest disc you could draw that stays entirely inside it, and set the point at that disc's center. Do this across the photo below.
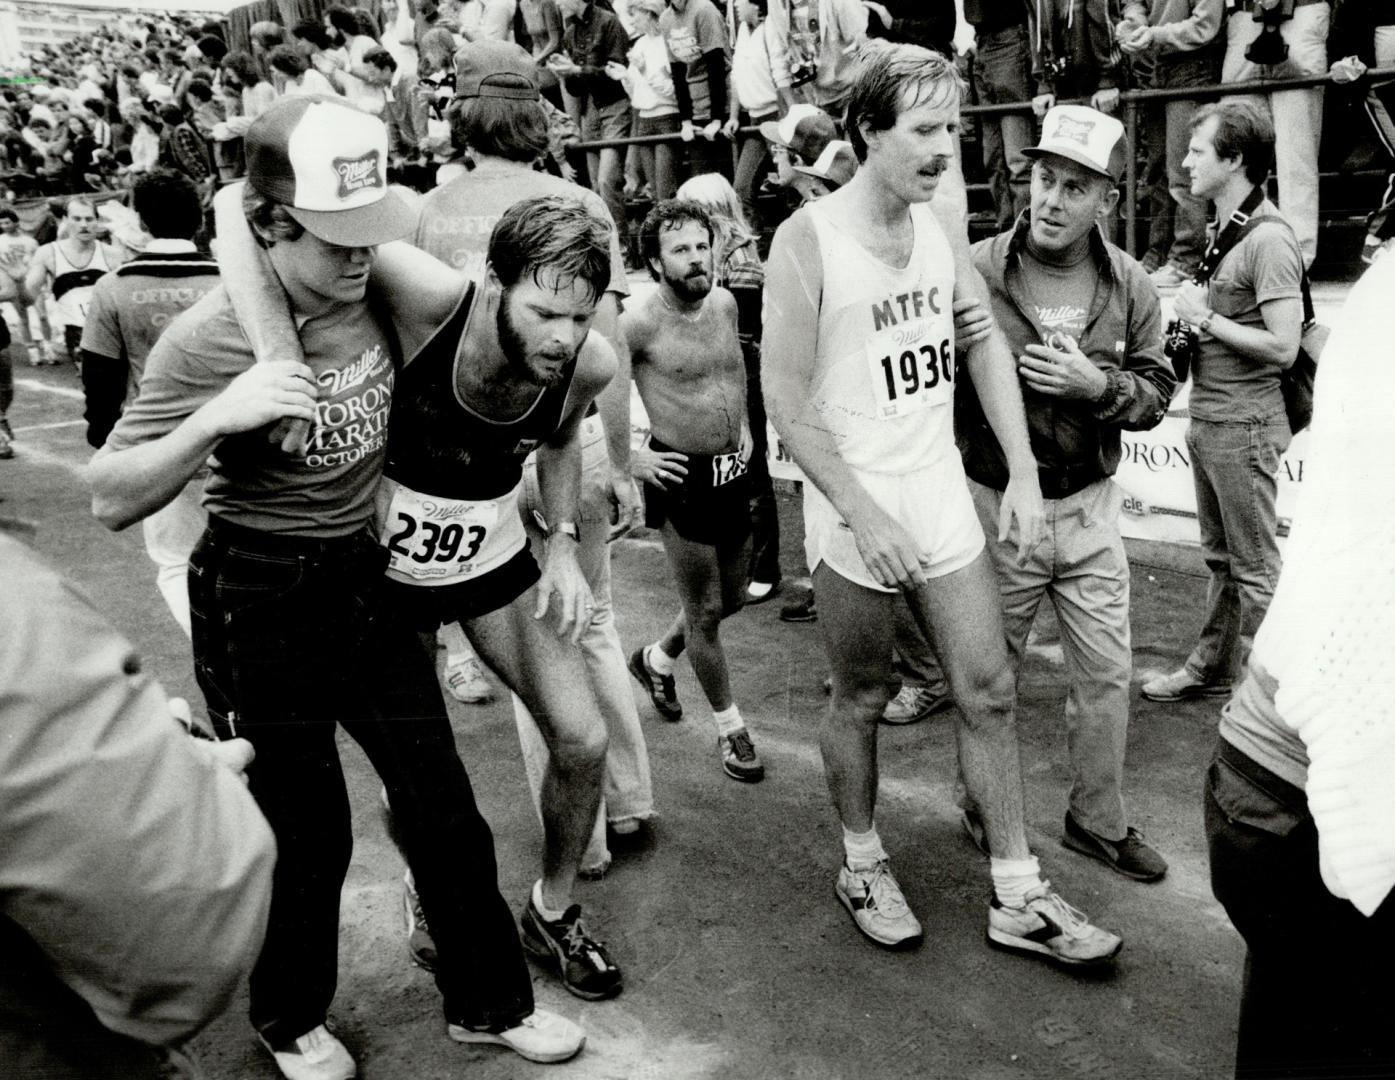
(358, 174)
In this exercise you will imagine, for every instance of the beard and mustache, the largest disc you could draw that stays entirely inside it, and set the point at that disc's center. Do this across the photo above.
(693, 285)
(516, 350)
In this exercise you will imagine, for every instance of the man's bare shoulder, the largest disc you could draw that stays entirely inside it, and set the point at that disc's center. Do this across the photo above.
(597, 363)
(638, 322)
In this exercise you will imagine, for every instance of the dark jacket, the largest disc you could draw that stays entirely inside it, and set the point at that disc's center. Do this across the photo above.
(592, 40)
(1075, 442)
(1073, 48)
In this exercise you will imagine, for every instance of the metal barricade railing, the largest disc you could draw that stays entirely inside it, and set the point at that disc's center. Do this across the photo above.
(1129, 102)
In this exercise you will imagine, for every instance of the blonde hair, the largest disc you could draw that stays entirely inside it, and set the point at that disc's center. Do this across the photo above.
(714, 192)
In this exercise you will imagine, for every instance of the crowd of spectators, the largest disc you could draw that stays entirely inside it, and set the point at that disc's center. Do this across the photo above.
(95, 112)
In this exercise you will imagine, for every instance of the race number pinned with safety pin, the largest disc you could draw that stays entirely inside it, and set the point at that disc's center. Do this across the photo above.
(436, 541)
(911, 366)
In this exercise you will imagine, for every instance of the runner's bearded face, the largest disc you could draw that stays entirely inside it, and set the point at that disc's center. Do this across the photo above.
(685, 260)
(913, 154)
(542, 326)
(310, 266)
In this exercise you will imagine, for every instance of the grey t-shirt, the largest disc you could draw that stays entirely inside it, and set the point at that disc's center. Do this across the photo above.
(1266, 265)
(1060, 295)
(325, 492)
(457, 218)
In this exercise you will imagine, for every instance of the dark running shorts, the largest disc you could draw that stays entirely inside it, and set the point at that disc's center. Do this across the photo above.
(702, 509)
(428, 607)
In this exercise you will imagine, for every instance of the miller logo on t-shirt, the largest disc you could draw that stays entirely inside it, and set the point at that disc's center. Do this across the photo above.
(358, 173)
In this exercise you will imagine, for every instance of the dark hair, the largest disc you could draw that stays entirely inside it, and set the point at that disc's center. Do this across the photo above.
(200, 89)
(268, 219)
(891, 78)
(131, 71)
(343, 20)
(96, 105)
(313, 31)
(243, 66)
(167, 203)
(501, 127)
(215, 48)
(555, 236)
(285, 59)
(8, 212)
(1244, 131)
(174, 56)
(380, 57)
(171, 114)
(266, 33)
(666, 215)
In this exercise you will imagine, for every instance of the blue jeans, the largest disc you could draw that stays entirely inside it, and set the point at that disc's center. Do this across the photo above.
(1002, 73)
(1316, 999)
(291, 640)
(1235, 468)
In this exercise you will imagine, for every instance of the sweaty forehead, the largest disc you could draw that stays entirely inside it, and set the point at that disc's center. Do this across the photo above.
(932, 102)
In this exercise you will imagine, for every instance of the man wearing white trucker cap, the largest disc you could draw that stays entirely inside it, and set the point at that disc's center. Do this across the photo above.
(291, 634)
(1084, 322)
(859, 358)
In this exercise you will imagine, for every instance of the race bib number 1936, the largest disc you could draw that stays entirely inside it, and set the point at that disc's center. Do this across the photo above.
(911, 367)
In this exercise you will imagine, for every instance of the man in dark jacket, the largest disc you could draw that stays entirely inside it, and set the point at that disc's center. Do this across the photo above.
(1074, 52)
(1084, 322)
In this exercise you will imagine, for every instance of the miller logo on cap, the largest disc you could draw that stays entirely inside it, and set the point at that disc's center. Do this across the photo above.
(326, 163)
(358, 173)
(1086, 136)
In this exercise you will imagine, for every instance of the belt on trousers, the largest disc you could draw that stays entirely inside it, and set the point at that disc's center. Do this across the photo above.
(1290, 795)
(1063, 481)
(284, 543)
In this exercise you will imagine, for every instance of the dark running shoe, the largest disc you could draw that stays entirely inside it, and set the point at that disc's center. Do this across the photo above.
(1131, 856)
(584, 966)
(660, 688)
(801, 610)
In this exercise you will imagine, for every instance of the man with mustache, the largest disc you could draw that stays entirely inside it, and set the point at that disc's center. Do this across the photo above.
(859, 361)
(691, 377)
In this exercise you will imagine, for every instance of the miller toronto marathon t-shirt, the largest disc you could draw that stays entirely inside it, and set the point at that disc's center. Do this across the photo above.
(1060, 295)
(326, 491)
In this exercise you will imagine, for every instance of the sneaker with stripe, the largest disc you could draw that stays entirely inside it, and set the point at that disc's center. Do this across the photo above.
(1045, 925)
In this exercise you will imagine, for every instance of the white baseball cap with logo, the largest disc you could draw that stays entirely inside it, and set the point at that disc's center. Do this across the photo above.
(1086, 136)
(326, 163)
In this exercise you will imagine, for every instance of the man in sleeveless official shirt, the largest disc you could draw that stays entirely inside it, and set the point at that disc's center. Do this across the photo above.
(292, 634)
(859, 368)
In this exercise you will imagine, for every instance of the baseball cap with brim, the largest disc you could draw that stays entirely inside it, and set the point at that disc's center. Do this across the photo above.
(495, 69)
(805, 130)
(836, 165)
(326, 163)
(1086, 136)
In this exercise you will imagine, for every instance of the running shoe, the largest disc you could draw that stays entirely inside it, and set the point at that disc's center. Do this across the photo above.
(758, 592)
(541, 1036)
(466, 681)
(915, 703)
(877, 905)
(1132, 856)
(662, 693)
(581, 961)
(1047, 926)
(421, 946)
(801, 610)
(739, 758)
(1180, 685)
(316, 1055)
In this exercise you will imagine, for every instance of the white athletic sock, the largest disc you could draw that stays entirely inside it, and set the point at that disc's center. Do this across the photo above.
(728, 719)
(863, 850)
(660, 663)
(1013, 879)
(546, 913)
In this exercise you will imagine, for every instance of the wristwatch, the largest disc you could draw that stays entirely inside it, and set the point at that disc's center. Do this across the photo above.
(566, 528)
(1205, 325)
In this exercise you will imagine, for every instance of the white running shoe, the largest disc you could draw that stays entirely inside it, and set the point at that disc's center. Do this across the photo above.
(316, 1055)
(542, 1036)
(466, 681)
(877, 905)
(1048, 926)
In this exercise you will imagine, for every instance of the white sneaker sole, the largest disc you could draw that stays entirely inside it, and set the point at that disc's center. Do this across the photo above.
(1001, 939)
(489, 1038)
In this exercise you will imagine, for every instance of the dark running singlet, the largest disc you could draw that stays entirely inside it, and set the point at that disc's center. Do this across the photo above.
(448, 505)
